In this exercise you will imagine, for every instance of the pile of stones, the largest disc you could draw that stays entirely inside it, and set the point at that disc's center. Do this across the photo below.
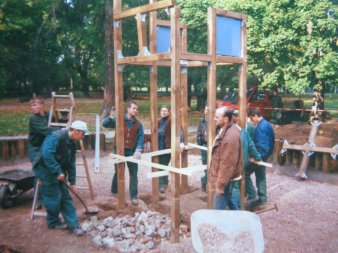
(140, 233)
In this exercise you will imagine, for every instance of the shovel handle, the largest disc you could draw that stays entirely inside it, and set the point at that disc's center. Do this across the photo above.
(76, 195)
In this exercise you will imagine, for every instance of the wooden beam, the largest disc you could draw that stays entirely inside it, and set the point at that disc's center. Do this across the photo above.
(211, 94)
(310, 149)
(230, 14)
(141, 35)
(144, 58)
(167, 24)
(153, 104)
(119, 131)
(196, 57)
(175, 122)
(144, 9)
(242, 100)
(157, 174)
(184, 119)
(229, 59)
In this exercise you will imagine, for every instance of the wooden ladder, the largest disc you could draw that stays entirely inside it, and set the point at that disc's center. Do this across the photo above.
(57, 119)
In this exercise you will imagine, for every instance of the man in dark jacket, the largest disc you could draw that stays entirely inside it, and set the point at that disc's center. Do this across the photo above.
(226, 158)
(38, 130)
(202, 139)
(276, 105)
(164, 142)
(133, 146)
(56, 165)
(249, 151)
(264, 139)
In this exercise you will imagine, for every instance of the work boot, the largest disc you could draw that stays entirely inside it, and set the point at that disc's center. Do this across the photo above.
(162, 189)
(77, 231)
(61, 226)
(134, 201)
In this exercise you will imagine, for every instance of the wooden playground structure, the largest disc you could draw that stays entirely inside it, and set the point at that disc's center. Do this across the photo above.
(168, 47)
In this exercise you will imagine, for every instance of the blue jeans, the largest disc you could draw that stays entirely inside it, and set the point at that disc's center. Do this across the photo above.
(221, 201)
(133, 180)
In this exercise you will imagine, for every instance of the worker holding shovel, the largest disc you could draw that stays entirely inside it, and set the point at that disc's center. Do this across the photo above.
(55, 166)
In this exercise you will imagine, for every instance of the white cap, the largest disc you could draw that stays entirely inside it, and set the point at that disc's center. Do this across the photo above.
(80, 125)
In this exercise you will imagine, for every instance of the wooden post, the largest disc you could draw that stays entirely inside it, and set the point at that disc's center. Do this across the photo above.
(119, 131)
(5, 150)
(242, 100)
(13, 151)
(289, 155)
(21, 148)
(184, 112)
(295, 159)
(326, 163)
(318, 161)
(153, 102)
(141, 34)
(277, 149)
(175, 122)
(311, 140)
(211, 94)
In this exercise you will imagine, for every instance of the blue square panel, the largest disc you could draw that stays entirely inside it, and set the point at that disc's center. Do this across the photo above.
(163, 39)
(228, 36)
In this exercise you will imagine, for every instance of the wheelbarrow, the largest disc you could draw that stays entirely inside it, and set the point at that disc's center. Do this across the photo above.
(13, 183)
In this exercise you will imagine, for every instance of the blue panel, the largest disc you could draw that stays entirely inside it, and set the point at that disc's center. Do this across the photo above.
(163, 39)
(228, 36)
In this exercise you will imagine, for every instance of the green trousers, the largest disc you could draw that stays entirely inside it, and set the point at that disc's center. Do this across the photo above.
(260, 174)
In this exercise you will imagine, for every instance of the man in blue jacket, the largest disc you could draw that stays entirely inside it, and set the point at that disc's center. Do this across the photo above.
(55, 166)
(249, 151)
(133, 146)
(264, 139)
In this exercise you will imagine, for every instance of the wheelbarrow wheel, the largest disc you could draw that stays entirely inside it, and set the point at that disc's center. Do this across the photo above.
(5, 197)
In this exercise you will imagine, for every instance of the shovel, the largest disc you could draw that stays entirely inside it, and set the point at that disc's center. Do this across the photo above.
(92, 211)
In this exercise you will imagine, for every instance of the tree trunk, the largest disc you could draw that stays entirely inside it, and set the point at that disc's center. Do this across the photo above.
(109, 89)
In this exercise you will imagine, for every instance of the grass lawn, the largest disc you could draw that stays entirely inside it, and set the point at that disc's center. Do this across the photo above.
(14, 116)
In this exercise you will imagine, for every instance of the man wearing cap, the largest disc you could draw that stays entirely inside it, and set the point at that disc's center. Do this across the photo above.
(133, 146)
(249, 151)
(56, 166)
(226, 158)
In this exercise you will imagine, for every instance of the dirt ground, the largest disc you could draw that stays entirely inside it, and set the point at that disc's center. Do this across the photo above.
(306, 220)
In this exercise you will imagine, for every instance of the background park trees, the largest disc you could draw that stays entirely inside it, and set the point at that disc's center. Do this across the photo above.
(64, 44)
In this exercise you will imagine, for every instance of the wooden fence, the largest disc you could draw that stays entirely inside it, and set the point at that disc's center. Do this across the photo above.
(16, 147)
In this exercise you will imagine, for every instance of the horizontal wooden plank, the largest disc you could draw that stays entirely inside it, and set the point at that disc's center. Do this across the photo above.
(229, 59)
(157, 174)
(14, 138)
(197, 64)
(166, 23)
(57, 124)
(230, 14)
(196, 57)
(144, 9)
(308, 148)
(144, 58)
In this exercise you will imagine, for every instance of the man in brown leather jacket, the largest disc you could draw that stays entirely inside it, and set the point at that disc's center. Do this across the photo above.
(226, 158)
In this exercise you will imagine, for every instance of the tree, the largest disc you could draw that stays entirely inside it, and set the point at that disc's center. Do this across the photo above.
(290, 43)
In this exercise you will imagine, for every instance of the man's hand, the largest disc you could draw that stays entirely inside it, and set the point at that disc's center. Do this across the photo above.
(137, 154)
(182, 147)
(61, 177)
(253, 160)
(73, 187)
(112, 113)
(219, 192)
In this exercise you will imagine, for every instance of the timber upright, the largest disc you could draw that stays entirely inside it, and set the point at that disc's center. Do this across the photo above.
(173, 53)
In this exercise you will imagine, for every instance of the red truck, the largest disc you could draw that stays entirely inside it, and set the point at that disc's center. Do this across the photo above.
(255, 98)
